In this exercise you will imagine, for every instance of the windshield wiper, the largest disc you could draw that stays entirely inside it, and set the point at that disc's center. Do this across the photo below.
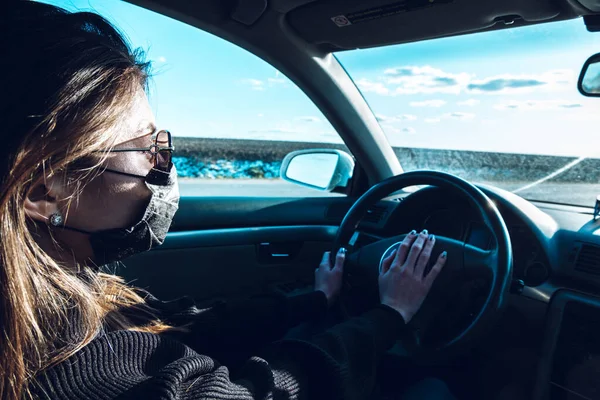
(550, 176)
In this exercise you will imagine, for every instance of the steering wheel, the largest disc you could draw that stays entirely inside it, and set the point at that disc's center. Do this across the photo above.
(464, 262)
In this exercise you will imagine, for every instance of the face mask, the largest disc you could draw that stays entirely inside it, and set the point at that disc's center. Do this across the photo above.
(148, 233)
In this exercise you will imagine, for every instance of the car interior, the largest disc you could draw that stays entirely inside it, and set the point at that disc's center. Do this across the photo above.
(516, 313)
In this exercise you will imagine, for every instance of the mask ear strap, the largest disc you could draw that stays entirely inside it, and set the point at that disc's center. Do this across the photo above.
(69, 228)
(56, 220)
(124, 173)
(58, 223)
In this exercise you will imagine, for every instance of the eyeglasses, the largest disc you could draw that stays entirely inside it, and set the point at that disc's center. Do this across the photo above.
(161, 150)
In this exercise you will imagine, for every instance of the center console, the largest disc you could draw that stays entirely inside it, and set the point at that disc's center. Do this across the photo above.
(570, 359)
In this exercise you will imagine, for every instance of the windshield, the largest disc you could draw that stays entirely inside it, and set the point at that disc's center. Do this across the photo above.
(500, 108)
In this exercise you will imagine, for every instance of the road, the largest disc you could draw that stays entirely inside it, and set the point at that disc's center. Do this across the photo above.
(246, 187)
(568, 193)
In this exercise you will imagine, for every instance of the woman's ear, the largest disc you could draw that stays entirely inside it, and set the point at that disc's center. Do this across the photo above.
(42, 200)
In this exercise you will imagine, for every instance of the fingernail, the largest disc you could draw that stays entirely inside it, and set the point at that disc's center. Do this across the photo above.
(342, 250)
(413, 233)
(425, 232)
(444, 254)
(431, 238)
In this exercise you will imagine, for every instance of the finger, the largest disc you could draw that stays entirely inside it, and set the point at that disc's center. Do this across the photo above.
(437, 268)
(325, 260)
(387, 262)
(339, 259)
(424, 257)
(404, 248)
(415, 250)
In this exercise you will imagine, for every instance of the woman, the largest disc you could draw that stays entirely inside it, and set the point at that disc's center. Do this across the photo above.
(85, 180)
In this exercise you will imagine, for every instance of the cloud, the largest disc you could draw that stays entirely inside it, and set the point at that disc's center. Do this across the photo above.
(258, 84)
(459, 115)
(520, 83)
(502, 84)
(469, 103)
(382, 118)
(400, 71)
(427, 103)
(424, 79)
(279, 79)
(260, 115)
(570, 105)
(161, 59)
(537, 105)
(308, 119)
(255, 84)
(375, 87)
(395, 118)
(429, 80)
(445, 81)
(276, 81)
(407, 117)
(390, 129)
(404, 117)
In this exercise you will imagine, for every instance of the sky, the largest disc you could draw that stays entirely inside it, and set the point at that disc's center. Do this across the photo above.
(509, 91)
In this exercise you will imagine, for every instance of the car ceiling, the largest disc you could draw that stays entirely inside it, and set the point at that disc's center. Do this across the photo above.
(375, 22)
(414, 20)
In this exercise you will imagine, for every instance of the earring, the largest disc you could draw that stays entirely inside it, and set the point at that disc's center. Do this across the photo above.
(56, 219)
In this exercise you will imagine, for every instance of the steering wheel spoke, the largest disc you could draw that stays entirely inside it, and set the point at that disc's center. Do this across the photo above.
(351, 276)
(478, 262)
(463, 261)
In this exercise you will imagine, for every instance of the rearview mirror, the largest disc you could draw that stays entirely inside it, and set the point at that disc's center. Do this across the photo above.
(322, 169)
(589, 78)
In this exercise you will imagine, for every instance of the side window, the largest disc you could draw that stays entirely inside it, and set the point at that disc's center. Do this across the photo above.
(233, 116)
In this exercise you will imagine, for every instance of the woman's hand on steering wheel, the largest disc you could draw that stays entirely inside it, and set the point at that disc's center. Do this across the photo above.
(403, 284)
(328, 279)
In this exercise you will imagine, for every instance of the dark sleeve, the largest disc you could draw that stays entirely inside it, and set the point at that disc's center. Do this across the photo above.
(341, 363)
(230, 329)
(337, 364)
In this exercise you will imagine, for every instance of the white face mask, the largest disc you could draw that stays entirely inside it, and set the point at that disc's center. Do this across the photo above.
(150, 231)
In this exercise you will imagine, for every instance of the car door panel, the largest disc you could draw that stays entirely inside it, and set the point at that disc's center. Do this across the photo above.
(199, 213)
(231, 270)
(239, 247)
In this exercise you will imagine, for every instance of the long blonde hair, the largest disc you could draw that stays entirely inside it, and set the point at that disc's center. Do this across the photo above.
(67, 78)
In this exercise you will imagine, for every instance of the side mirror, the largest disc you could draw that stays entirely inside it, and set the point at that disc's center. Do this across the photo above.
(321, 169)
(589, 78)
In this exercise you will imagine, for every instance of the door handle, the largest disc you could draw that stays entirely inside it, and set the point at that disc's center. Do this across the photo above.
(273, 253)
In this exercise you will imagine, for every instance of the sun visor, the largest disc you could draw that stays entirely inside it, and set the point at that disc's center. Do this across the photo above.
(349, 24)
(285, 6)
(248, 12)
(592, 5)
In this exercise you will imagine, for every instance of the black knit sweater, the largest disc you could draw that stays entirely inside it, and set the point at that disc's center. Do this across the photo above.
(339, 363)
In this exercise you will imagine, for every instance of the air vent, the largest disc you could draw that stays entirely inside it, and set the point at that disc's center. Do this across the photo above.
(375, 214)
(588, 259)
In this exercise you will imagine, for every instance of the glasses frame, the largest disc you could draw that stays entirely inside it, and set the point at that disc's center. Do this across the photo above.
(153, 149)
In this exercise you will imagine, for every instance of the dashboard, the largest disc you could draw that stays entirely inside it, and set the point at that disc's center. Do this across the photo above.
(530, 263)
(453, 217)
(554, 319)
(554, 246)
